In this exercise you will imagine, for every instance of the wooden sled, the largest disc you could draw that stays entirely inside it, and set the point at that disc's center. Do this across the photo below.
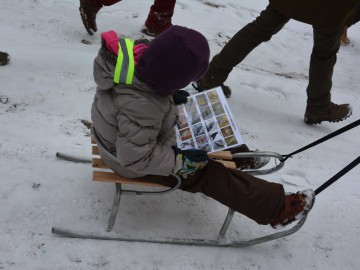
(101, 173)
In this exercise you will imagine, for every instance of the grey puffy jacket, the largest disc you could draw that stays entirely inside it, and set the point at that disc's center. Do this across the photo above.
(134, 122)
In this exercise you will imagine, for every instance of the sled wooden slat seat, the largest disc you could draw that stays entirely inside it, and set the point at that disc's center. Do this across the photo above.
(95, 150)
(98, 163)
(221, 155)
(226, 163)
(102, 173)
(112, 177)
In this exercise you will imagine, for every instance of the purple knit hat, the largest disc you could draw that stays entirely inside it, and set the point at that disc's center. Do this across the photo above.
(175, 58)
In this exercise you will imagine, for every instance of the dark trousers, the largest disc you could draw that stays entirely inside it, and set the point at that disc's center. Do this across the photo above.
(323, 57)
(255, 198)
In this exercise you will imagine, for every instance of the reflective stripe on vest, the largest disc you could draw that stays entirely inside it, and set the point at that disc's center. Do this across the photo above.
(124, 70)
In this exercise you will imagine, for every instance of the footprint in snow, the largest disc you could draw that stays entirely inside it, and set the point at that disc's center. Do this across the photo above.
(295, 180)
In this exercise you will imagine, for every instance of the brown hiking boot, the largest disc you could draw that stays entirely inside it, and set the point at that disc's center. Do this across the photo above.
(88, 13)
(296, 206)
(333, 113)
(4, 58)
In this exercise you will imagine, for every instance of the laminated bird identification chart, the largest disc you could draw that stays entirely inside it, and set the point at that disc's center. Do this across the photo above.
(206, 122)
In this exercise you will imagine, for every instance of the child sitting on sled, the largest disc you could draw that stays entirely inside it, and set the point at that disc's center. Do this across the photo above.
(134, 115)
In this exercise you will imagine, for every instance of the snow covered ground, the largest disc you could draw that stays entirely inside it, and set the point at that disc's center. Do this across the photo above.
(46, 92)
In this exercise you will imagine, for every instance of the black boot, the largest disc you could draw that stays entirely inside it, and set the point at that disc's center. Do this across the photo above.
(4, 58)
(88, 13)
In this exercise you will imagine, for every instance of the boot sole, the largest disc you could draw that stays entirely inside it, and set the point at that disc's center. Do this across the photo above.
(85, 22)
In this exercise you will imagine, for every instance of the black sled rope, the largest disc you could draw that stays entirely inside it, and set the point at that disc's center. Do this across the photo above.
(338, 175)
(323, 139)
(341, 173)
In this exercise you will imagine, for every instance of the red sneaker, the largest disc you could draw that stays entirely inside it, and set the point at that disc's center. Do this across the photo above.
(296, 205)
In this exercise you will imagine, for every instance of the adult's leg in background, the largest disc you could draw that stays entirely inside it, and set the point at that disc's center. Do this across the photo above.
(323, 58)
(248, 38)
(322, 62)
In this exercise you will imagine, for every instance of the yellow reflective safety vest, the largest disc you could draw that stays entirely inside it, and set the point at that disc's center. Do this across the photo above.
(125, 65)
